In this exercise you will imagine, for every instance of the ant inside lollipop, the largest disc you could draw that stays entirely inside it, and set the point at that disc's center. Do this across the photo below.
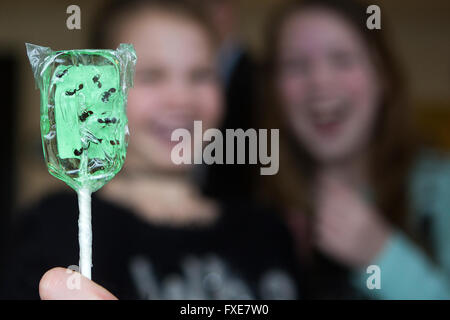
(84, 126)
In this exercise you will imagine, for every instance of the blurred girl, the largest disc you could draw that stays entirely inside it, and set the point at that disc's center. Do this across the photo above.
(156, 236)
(348, 167)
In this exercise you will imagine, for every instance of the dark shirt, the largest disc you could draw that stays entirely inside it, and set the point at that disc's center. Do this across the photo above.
(246, 253)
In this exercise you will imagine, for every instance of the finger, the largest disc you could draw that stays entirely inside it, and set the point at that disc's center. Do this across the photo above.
(330, 201)
(337, 187)
(54, 285)
(331, 242)
(326, 240)
(326, 233)
(324, 223)
(332, 214)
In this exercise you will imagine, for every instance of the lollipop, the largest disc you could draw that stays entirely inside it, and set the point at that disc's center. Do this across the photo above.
(84, 126)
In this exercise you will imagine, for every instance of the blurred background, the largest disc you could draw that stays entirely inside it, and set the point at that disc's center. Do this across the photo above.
(420, 37)
(419, 33)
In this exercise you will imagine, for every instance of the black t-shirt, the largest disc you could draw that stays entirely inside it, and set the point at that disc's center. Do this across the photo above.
(246, 253)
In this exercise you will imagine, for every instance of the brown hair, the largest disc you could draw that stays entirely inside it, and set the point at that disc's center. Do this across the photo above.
(110, 17)
(391, 149)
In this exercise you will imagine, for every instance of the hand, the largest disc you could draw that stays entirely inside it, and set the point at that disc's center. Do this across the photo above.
(54, 286)
(347, 228)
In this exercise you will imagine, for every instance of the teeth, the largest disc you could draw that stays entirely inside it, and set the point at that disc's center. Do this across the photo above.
(329, 112)
(329, 104)
(164, 129)
(323, 119)
(326, 118)
(171, 125)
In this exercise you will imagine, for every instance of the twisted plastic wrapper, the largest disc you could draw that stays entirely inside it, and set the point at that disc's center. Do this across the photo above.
(84, 126)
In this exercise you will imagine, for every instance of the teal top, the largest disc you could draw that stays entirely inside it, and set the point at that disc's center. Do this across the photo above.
(406, 272)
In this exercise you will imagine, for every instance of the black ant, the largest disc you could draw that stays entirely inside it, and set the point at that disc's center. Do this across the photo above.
(107, 121)
(61, 74)
(96, 79)
(114, 142)
(85, 115)
(78, 152)
(107, 94)
(71, 93)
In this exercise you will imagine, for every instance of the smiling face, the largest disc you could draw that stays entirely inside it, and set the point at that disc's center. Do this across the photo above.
(175, 84)
(327, 84)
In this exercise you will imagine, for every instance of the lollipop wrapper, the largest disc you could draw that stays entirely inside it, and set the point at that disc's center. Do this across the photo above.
(84, 126)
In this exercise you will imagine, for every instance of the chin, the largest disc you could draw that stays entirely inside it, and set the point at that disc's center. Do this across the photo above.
(170, 167)
(161, 161)
(330, 154)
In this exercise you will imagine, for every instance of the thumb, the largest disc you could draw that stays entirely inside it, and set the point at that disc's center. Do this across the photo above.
(55, 285)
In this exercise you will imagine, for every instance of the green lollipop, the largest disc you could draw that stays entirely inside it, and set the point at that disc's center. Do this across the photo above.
(84, 126)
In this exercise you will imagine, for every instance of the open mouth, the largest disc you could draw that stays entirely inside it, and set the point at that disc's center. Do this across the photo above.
(162, 128)
(329, 118)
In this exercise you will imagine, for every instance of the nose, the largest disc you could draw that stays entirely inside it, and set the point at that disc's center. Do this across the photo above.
(321, 79)
(179, 96)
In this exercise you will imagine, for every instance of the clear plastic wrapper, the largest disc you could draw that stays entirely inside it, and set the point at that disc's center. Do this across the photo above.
(83, 117)
(84, 126)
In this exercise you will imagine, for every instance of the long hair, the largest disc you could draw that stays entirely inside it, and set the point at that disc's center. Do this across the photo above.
(391, 149)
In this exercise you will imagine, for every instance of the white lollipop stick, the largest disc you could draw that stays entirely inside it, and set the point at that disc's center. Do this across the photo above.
(85, 232)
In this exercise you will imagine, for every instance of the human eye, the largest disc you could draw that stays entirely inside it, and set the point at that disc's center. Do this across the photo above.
(294, 66)
(203, 75)
(150, 76)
